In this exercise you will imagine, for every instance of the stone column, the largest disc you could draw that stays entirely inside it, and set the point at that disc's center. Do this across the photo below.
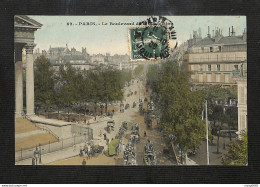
(29, 79)
(18, 81)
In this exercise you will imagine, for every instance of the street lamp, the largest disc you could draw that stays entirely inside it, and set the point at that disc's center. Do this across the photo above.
(207, 129)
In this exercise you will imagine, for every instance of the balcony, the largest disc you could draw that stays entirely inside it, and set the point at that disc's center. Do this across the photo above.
(220, 59)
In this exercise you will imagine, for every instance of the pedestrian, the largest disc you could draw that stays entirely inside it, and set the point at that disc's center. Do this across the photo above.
(33, 161)
(84, 162)
(89, 151)
(105, 136)
(144, 133)
(95, 118)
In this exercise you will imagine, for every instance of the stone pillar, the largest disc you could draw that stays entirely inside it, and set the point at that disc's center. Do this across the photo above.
(29, 79)
(18, 81)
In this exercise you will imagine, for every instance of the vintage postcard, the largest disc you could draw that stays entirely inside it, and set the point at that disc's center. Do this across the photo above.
(130, 90)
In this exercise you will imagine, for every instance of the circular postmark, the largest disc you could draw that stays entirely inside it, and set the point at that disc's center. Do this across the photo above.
(152, 40)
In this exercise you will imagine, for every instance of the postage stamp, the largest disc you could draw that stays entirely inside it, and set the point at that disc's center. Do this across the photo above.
(150, 40)
(149, 43)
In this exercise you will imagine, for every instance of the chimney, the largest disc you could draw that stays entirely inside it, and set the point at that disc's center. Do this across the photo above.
(233, 32)
(244, 35)
(228, 31)
(208, 32)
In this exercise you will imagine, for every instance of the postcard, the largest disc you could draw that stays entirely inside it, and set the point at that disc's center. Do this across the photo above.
(130, 90)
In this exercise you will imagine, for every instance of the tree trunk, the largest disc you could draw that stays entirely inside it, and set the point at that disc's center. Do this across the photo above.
(95, 108)
(181, 157)
(48, 112)
(58, 113)
(106, 107)
(218, 145)
(68, 116)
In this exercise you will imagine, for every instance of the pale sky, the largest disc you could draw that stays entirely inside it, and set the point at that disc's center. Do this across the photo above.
(114, 38)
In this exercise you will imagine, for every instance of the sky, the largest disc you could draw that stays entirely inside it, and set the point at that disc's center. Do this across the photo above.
(113, 39)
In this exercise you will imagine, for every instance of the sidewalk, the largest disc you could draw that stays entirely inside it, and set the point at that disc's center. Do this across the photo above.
(54, 122)
(190, 162)
(55, 156)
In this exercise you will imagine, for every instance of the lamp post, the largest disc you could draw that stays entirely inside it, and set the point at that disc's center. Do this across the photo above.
(40, 154)
(207, 130)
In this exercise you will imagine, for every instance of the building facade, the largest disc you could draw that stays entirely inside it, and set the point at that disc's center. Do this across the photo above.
(216, 60)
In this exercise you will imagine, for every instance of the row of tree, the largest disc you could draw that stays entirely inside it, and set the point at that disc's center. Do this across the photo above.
(180, 108)
(70, 86)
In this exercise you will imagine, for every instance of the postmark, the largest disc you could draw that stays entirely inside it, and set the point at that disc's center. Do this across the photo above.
(150, 40)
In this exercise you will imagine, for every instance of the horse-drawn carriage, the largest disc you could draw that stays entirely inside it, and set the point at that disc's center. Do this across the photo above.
(122, 108)
(135, 136)
(110, 126)
(129, 155)
(148, 122)
(149, 154)
(127, 106)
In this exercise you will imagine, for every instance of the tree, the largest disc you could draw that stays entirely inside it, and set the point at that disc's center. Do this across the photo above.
(231, 119)
(138, 69)
(110, 89)
(238, 153)
(44, 83)
(71, 82)
(216, 93)
(181, 108)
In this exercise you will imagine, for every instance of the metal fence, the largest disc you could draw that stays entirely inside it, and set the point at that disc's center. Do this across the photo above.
(81, 130)
(52, 147)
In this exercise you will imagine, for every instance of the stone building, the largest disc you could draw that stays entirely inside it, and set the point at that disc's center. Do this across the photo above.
(24, 28)
(216, 59)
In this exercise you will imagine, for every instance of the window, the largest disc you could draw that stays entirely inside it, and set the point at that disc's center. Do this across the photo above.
(201, 69)
(236, 67)
(209, 67)
(208, 77)
(211, 49)
(219, 48)
(226, 78)
(200, 77)
(218, 67)
(218, 77)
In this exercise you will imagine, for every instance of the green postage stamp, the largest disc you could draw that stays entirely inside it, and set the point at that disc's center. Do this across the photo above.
(149, 43)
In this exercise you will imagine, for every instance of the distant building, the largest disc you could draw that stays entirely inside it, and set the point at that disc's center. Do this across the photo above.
(82, 60)
(216, 59)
